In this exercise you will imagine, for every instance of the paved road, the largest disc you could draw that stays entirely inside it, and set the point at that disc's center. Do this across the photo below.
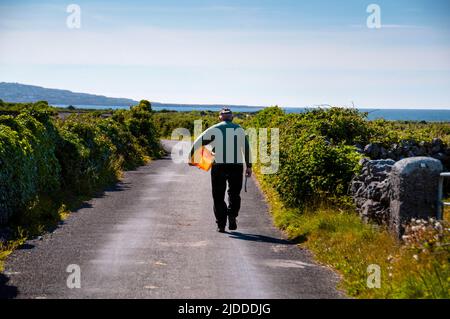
(153, 235)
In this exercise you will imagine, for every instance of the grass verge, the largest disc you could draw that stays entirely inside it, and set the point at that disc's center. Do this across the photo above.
(417, 268)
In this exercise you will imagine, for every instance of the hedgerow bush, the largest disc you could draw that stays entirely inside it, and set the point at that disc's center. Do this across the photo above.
(27, 157)
(316, 152)
(127, 147)
(314, 169)
(139, 122)
(318, 148)
(42, 156)
(87, 156)
(167, 121)
(17, 183)
(386, 133)
(94, 149)
(41, 135)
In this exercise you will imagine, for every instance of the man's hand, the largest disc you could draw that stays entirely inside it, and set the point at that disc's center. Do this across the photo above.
(190, 161)
(248, 172)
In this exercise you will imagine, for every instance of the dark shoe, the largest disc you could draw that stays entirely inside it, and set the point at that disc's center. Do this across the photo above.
(221, 229)
(232, 225)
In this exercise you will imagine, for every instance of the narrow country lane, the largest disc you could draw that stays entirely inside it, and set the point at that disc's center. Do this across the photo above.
(153, 235)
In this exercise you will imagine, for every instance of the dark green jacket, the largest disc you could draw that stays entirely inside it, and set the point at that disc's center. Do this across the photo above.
(230, 143)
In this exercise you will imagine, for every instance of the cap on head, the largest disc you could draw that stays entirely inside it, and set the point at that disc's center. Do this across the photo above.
(225, 111)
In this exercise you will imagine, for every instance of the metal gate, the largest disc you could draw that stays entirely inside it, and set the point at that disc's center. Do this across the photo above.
(441, 203)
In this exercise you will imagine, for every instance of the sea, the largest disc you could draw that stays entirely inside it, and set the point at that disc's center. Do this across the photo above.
(428, 115)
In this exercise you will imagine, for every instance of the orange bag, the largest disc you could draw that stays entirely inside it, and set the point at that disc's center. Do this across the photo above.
(205, 157)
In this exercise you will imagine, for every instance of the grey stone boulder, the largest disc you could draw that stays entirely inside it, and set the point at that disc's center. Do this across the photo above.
(414, 186)
(372, 150)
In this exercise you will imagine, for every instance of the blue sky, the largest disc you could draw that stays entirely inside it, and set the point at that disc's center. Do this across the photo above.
(259, 52)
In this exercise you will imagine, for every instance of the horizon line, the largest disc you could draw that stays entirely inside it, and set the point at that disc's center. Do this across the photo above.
(318, 105)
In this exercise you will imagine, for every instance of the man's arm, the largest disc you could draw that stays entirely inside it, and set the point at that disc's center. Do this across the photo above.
(199, 142)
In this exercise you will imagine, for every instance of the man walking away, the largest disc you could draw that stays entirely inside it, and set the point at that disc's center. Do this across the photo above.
(231, 148)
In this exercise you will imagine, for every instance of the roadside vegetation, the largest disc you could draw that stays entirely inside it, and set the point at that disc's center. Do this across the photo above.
(309, 200)
(15, 108)
(167, 121)
(49, 165)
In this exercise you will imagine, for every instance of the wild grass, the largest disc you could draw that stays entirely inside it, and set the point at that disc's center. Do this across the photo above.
(338, 238)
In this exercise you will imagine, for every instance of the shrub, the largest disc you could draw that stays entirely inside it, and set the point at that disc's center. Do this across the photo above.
(338, 125)
(139, 122)
(317, 156)
(27, 157)
(313, 169)
(42, 135)
(42, 157)
(17, 174)
(127, 146)
(167, 121)
(86, 154)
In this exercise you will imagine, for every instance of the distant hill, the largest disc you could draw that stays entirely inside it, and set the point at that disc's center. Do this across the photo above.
(16, 92)
(22, 93)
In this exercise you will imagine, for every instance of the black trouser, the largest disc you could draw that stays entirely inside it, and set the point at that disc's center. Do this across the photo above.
(221, 174)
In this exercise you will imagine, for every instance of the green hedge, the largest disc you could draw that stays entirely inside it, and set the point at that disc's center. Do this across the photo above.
(42, 156)
(167, 121)
(318, 149)
(27, 155)
(317, 156)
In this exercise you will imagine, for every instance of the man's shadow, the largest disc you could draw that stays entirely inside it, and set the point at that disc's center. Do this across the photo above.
(262, 238)
(7, 292)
